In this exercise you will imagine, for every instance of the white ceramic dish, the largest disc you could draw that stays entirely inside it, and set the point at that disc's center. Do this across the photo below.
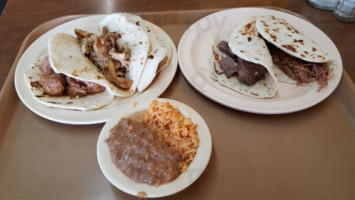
(91, 24)
(195, 169)
(194, 53)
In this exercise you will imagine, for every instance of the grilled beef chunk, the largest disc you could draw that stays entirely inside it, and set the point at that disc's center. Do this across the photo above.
(229, 66)
(299, 70)
(58, 84)
(75, 88)
(247, 72)
(223, 46)
(53, 84)
(46, 66)
(93, 87)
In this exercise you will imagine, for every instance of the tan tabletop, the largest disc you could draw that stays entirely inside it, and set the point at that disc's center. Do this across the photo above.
(302, 155)
(21, 16)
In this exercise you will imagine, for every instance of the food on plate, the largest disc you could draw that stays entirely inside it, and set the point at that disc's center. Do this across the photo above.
(124, 57)
(297, 58)
(154, 147)
(58, 89)
(150, 51)
(242, 62)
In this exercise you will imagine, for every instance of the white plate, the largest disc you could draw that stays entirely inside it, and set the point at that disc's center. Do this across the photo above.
(195, 169)
(91, 24)
(194, 54)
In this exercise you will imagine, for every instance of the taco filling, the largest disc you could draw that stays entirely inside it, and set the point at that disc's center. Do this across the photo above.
(301, 71)
(247, 72)
(56, 84)
(110, 58)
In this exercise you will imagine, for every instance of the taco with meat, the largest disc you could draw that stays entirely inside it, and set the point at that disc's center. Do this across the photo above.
(297, 59)
(242, 62)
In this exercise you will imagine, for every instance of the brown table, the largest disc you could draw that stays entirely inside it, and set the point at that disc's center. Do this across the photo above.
(303, 155)
(21, 16)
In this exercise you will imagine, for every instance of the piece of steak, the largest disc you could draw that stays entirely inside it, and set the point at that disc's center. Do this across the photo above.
(75, 88)
(249, 73)
(229, 66)
(223, 46)
(93, 88)
(53, 84)
(46, 66)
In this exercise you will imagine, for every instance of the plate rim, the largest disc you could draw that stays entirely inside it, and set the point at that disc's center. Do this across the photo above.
(329, 91)
(184, 180)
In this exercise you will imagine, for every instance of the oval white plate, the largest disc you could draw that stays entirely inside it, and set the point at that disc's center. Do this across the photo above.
(91, 24)
(194, 54)
(195, 169)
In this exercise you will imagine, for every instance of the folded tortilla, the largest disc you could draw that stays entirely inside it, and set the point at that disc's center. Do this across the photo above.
(153, 52)
(85, 103)
(284, 36)
(244, 42)
(66, 57)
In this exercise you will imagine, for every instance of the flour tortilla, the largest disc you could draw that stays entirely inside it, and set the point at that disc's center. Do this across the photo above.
(85, 103)
(244, 42)
(66, 57)
(159, 54)
(283, 35)
(135, 38)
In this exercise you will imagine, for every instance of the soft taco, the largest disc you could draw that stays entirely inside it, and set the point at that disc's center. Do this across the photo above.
(242, 62)
(297, 59)
(56, 88)
(153, 52)
(123, 58)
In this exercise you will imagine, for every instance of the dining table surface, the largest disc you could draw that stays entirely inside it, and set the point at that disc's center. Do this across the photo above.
(302, 155)
(19, 17)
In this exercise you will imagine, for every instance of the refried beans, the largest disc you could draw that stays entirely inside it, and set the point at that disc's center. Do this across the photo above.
(142, 155)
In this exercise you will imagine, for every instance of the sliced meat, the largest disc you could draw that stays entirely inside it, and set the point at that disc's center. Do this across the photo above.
(75, 88)
(223, 46)
(46, 66)
(93, 88)
(249, 73)
(53, 84)
(229, 66)
(300, 70)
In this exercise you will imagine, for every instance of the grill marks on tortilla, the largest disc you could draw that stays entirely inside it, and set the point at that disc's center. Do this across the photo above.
(289, 47)
(285, 36)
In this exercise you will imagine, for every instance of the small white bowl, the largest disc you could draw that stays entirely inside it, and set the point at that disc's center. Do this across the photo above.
(122, 182)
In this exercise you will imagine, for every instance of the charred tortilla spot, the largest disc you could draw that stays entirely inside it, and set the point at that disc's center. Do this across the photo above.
(39, 96)
(254, 94)
(35, 84)
(249, 39)
(256, 58)
(241, 51)
(151, 57)
(140, 42)
(305, 52)
(299, 41)
(273, 37)
(137, 23)
(289, 47)
(314, 49)
(248, 26)
(75, 73)
(303, 55)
